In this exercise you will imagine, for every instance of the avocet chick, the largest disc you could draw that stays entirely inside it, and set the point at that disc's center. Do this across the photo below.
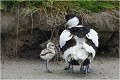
(47, 54)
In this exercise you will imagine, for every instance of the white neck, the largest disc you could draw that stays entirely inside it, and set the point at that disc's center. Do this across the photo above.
(79, 26)
(73, 22)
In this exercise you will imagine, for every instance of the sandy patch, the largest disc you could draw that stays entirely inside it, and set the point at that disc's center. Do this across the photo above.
(104, 68)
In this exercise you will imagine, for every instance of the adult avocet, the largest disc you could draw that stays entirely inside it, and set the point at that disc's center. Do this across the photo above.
(78, 43)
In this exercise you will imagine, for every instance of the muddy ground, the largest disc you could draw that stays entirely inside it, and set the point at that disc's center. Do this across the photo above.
(104, 68)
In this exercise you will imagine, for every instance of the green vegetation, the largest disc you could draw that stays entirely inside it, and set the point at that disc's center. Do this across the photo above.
(77, 5)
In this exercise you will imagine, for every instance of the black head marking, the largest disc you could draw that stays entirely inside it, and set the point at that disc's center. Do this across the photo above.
(80, 19)
(69, 16)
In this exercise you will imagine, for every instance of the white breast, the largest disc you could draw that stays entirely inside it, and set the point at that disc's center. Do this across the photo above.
(77, 52)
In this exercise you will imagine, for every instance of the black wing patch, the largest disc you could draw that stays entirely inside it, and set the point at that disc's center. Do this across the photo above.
(90, 43)
(68, 44)
(79, 31)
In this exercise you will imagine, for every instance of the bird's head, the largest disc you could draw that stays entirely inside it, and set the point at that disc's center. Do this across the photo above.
(51, 45)
(73, 20)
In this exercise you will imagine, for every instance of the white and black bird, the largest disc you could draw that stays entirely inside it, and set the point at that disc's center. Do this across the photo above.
(47, 54)
(78, 43)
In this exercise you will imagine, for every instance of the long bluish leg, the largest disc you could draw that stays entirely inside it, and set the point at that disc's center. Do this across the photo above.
(89, 69)
(81, 68)
(46, 65)
(85, 67)
(70, 68)
(47, 70)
